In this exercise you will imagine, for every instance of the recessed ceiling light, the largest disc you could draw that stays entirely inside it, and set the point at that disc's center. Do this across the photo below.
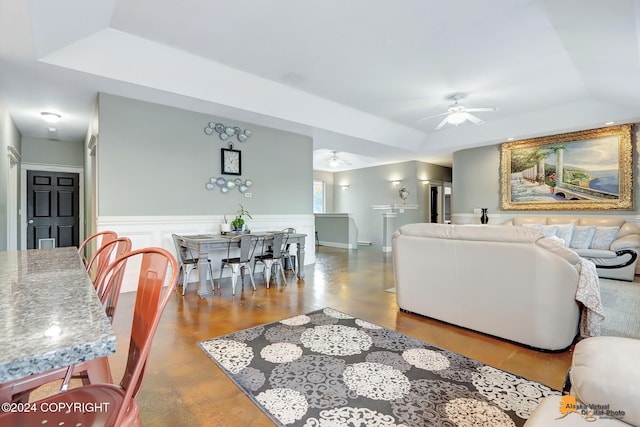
(609, 123)
(50, 117)
(53, 129)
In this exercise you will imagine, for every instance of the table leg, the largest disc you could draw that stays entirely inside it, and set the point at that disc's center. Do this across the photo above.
(300, 254)
(203, 267)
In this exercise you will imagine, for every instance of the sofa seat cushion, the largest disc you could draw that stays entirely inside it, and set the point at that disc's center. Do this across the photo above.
(605, 371)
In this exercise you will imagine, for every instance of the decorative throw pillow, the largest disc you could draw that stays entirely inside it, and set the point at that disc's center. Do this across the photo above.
(603, 237)
(582, 236)
(549, 230)
(565, 232)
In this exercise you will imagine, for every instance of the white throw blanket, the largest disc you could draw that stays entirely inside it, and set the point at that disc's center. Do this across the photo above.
(588, 293)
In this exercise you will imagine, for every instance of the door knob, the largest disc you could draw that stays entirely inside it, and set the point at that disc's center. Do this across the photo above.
(30, 221)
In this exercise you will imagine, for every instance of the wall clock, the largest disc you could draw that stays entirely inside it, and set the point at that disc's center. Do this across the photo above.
(231, 162)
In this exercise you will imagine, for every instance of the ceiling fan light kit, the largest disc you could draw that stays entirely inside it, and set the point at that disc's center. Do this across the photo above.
(457, 113)
(335, 161)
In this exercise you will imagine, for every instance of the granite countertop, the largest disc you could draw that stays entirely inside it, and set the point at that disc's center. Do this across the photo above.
(50, 314)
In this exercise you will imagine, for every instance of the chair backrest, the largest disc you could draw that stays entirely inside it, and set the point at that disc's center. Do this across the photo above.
(277, 244)
(183, 253)
(91, 243)
(247, 246)
(109, 280)
(287, 231)
(150, 303)
(108, 252)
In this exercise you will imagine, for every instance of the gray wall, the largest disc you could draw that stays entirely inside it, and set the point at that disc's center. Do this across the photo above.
(156, 160)
(9, 136)
(52, 152)
(476, 182)
(373, 186)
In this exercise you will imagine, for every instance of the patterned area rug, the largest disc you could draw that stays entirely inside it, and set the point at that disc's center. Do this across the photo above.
(327, 368)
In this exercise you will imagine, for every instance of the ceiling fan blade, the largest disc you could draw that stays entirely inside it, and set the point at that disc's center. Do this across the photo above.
(481, 109)
(431, 117)
(442, 123)
(473, 119)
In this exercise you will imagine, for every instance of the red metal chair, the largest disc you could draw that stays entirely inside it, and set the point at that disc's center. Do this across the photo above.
(107, 284)
(108, 252)
(118, 404)
(91, 243)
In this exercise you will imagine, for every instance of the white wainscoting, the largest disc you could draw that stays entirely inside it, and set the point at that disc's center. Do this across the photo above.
(145, 231)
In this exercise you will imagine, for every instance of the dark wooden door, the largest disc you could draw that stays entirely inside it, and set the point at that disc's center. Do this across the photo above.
(434, 203)
(53, 208)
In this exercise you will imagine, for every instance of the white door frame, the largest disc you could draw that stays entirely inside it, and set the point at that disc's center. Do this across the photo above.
(50, 168)
(13, 159)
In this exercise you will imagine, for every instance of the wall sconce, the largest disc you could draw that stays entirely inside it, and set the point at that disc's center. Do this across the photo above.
(225, 132)
(344, 187)
(425, 181)
(396, 182)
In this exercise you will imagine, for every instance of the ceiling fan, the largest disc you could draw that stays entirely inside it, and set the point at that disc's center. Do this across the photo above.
(457, 113)
(335, 161)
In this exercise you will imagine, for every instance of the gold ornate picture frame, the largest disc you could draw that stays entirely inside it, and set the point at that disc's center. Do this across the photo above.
(586, 170)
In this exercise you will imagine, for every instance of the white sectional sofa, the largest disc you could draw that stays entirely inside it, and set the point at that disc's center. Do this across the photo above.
(509, 282)
(610, 242)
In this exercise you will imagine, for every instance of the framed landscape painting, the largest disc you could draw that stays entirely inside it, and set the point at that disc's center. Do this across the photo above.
(591, 169)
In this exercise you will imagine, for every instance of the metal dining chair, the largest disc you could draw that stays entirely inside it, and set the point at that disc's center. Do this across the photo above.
(271, 255)
(188, 262)
(107, 284)
(118, 404)
(241, 262)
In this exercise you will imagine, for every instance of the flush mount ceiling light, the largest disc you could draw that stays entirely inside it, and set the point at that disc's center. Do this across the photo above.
(50, 117)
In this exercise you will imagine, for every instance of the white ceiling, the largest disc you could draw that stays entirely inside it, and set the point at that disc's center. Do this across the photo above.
(355, 75)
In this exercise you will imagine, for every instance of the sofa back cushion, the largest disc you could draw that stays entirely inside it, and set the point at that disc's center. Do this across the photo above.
(582, 236)
(489, 233)
(520, 220)
(603, 237)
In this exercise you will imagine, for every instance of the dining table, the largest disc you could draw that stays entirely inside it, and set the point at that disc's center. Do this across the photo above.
(202, 244)
(50, 315)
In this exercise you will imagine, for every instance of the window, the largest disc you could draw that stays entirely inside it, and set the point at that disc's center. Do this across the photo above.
(318, 197)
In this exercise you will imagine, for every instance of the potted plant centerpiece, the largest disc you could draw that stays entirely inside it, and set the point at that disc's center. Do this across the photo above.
(238, 221)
